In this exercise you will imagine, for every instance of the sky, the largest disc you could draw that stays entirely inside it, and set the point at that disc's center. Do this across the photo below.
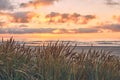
(76, 20)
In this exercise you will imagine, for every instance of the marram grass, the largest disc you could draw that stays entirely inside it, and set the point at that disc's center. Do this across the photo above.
(55, 61)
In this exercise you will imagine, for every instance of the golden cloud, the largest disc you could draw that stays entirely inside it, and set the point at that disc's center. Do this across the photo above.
(5, 17)
(117, 18)
(24, 17)
(75, 18)
(38, 3)
(18, 17)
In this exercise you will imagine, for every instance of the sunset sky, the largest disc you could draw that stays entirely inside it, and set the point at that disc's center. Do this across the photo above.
(84, 20)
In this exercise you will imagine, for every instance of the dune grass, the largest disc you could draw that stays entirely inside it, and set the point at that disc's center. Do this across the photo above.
(55, 61)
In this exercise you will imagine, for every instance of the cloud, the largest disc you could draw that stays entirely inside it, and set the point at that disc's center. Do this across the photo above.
(3, 24)
(5, 19)
(113, 27)
(112, 2)
(23, 26)
(23, 17)
(53, 17)
(60, 31)
(5, 5)
(75, 18)
(74, 31)
(117, 18)
(38, 3)
(17, 17)
(88, 30)
(24, 30)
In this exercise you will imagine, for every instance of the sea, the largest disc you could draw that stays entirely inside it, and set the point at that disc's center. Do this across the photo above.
(112, 49)
(108, 46)
(111, 46)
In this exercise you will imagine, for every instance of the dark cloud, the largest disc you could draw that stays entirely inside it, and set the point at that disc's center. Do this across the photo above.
(73, 31)
(112, 2)
(113, 27)
(25, 30)
(89, 17)
(18, 17)
(21, 17)
(85, 19)
(5, 5)
(53, 17)
(52, 14)
(88, 30)
(38, 3)
(46, 30)
(75, 18)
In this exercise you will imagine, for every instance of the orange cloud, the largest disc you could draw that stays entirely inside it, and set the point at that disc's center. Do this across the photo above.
(23, 17)
(2, 24)
(38, 3)
(53, 17)
(60, 31)
(117, 18)
(75, 18)
(5, 17)
(18, 17)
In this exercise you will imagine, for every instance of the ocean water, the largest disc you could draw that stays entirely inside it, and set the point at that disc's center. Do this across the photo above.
(113, 46)
(113, 49)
